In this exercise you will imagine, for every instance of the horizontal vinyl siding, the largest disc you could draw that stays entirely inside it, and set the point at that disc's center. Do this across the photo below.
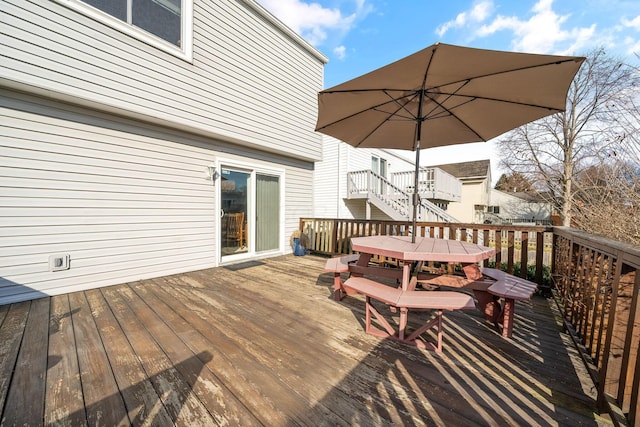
(248, 81)
(126, 202)
(114, 201)
(298, 200)
(327, 179)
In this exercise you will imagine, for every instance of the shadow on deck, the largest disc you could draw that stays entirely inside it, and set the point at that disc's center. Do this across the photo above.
(265, 344)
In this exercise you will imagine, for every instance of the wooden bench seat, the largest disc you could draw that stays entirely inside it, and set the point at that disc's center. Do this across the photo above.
(405, 300)
(507, 287)
(337, 266)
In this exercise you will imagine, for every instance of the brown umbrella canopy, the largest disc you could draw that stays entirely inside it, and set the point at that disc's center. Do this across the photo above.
(457, 94)
(445, 95)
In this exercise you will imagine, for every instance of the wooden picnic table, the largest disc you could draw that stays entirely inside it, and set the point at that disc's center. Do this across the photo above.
(423, 249)
(410, 256)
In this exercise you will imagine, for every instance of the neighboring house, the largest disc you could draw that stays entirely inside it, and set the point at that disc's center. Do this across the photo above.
(126, 148)
(517, 208)
(476, 186)
(332, 174)
(366, 183)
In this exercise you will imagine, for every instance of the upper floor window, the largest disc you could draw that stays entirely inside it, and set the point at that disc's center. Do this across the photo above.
(379, 166)
(165, 24)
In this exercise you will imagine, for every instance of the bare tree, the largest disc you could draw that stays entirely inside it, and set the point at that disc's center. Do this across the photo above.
(599, 120)
(514, 183)
(608, 200)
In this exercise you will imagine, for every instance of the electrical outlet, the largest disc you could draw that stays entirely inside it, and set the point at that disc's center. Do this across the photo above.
(59, 262)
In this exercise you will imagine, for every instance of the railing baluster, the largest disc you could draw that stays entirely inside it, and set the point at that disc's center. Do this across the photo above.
(599, 287)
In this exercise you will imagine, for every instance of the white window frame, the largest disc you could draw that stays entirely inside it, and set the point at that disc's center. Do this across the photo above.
(184, 51)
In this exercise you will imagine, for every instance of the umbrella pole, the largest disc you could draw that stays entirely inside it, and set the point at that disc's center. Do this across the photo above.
(416, 197)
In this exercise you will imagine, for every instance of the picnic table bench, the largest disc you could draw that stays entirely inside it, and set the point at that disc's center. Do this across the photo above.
(356, 266)
(508, 287)
(337, 266)
(489, 286)
(405, 300)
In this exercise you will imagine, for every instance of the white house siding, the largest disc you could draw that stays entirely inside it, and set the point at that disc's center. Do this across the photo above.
(327, 180)
(330, 191)
(474, 192)
(126, 201)
(516, 209)
(248, 82)
(104, 140)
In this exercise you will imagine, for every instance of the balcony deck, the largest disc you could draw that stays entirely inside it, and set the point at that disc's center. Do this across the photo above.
(264, 343)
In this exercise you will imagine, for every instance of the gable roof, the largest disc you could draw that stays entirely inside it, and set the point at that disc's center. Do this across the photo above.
(466, 170)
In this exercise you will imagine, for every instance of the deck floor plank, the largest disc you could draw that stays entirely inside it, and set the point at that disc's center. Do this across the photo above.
(248, 356)
(142, 402)
(308, 361)
(11, 333)
(4, 309)
(25, 401)
(102, 398)
(175, 394)
(227, 362)
(264, 343)
(224, 407)
(64, 402)
(218, 372)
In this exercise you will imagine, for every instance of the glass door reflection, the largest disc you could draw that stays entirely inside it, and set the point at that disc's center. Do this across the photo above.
(234, 190)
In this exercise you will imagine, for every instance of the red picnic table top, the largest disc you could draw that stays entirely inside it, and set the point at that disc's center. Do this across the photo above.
(424, 249)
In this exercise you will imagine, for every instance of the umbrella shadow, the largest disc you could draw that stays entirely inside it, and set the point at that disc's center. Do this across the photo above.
(480, 378)
(162, 399)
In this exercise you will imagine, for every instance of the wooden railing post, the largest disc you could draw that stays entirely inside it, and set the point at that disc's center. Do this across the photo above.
(599, 288)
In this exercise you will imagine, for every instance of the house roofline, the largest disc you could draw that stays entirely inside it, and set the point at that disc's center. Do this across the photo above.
(286, 30)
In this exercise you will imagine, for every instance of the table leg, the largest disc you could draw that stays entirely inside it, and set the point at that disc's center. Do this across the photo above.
(488, 304)
(508, 312)
(404, 314)
(472, 271)
(406, 274)
(364, 259)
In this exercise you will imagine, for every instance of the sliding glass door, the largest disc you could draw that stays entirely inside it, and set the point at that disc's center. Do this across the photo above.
(249, 212)
(267, 212)
(234, 211)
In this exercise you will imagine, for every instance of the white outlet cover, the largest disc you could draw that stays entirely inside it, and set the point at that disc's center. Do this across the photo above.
(59, 262)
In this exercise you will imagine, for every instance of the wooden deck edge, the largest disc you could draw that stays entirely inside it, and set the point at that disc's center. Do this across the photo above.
(605, 402)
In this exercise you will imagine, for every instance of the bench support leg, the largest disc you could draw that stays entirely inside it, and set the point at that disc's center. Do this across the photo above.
(437, 322)
(370, 329)
(489, 305)
(338, 290)
(389, 331)
(508, 313)
(412, 339)
(404, 319)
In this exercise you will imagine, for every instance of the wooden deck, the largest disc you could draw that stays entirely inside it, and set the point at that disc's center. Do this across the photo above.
(264, 343)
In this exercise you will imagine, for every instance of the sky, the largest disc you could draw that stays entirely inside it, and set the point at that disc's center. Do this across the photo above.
(358, 36)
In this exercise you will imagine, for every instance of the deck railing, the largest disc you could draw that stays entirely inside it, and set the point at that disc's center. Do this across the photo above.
(522, 250)
(595, 282)
(433, 183)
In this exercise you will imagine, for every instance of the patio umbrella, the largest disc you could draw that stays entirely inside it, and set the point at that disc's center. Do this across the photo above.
(445, 95)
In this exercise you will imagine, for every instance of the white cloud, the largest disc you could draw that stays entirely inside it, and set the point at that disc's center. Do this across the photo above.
(542, 32)
(630, 31)
(633, 23)
(311, 20)
(632, 46)
(340, 52)
(478, 13)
